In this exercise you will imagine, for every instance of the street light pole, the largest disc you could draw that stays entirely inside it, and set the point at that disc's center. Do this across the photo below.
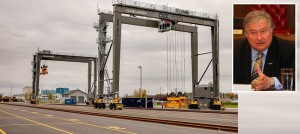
(146, 97)
(140, 67)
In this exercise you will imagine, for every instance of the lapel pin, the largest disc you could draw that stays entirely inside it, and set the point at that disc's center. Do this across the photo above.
(270, 63)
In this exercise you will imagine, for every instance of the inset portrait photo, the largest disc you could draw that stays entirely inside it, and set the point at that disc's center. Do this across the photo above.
(264, 47)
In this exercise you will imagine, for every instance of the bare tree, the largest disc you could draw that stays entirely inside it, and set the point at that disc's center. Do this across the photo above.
(137, 93)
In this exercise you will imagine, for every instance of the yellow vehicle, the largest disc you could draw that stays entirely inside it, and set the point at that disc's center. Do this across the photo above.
(115, 104)
(216, 104)
(194, 104)
(99, 103)
(176, 101)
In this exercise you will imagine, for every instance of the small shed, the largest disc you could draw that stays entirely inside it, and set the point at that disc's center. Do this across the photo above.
(76, 94)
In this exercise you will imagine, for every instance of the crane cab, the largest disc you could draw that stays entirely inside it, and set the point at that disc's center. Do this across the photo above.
(44, 69)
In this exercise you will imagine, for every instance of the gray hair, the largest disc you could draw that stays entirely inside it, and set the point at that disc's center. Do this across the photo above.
(258, 15)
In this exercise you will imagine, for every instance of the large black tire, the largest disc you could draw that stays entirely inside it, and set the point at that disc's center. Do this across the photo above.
(102, 105)
(96, 105)
(110, 106)
(193, 106)
(196, 106)
(216, 107)
(115, 106)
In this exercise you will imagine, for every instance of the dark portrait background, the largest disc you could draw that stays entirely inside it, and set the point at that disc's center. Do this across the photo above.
(283, 17)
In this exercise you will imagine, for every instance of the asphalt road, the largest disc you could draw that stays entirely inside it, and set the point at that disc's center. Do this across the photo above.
(192, 117)
(17, 120)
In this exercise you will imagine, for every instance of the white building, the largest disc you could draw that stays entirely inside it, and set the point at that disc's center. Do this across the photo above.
(57, 98)
(78, 95)
(20, 96)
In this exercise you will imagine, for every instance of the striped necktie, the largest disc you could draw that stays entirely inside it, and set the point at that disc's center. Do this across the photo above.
(254, 74)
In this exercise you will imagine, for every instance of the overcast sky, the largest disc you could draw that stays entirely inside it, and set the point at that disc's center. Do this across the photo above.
(66, 26)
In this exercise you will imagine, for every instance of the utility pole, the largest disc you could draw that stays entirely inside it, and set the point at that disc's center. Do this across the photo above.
(10, 92)
(160, 94)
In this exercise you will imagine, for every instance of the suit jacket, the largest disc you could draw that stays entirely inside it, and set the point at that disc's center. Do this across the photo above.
(281, 54)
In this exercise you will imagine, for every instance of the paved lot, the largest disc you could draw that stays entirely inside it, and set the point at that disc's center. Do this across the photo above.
(17, 119)
(207, 118)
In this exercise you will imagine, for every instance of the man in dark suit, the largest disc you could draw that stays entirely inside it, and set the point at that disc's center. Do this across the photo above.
(259, 58)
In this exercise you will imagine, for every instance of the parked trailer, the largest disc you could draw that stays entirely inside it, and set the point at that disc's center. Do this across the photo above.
(137, 102)
(70, 102)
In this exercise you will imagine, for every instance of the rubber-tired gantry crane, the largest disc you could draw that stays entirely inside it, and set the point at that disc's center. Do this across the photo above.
(38, 70)
(169, 18)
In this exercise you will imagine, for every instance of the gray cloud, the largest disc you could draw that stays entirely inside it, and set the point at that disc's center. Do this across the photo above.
(67, 27)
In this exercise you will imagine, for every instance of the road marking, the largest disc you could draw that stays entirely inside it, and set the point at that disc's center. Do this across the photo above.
(114, 128)
(63, 123)
(39, 117)
(106, 128)
(73, 120)
(37, 122)
(26, 117)
(7, 125)
(2, 132)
